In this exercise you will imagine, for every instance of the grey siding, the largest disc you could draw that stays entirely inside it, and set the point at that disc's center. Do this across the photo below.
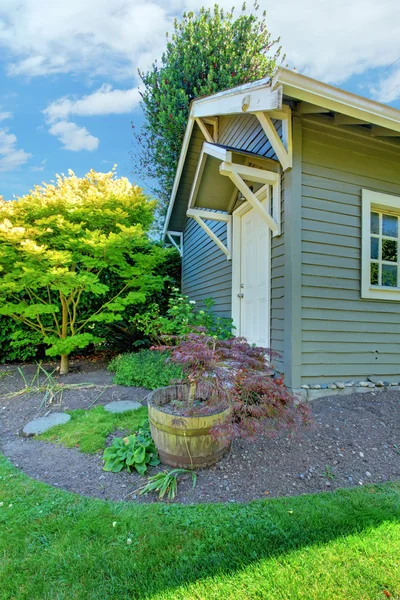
(278, 288)
(205, 270)
(245, 133)
(343, 336)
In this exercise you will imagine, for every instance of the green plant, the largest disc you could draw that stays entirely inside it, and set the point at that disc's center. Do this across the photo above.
(64, 242)
(181, 317)
(134, 451)
(146, 369)
(166, 483)
(18, 342)
(209, 51)
(328, 472)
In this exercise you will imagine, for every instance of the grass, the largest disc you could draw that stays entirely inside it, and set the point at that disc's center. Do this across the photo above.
(88, 429)
(334, 546)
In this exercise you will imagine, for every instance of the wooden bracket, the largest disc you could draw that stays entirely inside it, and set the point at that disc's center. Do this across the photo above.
(268, 178)
(178, 245)
(283, 149)
(204, 130)
(251, 198)
(199, 215)
(214, 121)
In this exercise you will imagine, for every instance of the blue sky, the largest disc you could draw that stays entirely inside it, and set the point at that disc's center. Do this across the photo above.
(69, 84)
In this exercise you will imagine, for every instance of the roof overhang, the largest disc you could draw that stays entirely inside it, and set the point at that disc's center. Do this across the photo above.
(266, 97)
(300, 87)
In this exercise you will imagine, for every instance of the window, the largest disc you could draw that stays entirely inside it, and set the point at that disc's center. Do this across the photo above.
(380, 277)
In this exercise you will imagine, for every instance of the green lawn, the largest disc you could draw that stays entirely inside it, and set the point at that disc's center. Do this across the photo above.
(55, 546)
(88, 429)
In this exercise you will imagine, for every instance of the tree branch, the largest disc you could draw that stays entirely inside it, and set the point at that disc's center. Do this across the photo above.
(102, 308)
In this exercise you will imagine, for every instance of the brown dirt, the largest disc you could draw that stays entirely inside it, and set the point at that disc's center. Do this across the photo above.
(354, 440)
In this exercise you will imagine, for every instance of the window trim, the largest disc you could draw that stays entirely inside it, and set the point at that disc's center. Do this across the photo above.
(381, 203)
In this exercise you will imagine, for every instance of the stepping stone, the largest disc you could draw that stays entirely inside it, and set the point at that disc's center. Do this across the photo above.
(42, 424)
(122, 406)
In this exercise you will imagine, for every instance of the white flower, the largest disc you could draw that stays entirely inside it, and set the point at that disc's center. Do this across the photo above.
(192, 301)
(129, 541)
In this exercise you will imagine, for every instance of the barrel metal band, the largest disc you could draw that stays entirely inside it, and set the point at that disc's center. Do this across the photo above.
(183, 432)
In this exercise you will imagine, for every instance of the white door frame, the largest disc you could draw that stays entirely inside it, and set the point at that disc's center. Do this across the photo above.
(236, 267)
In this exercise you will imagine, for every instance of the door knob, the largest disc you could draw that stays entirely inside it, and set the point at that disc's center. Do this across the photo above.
(240, 295)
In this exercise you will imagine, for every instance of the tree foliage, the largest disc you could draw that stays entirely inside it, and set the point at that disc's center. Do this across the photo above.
(207, 52)
(67, 241)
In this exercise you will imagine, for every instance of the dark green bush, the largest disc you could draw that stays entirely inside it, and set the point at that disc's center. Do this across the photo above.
(146, 369)
(18, 343)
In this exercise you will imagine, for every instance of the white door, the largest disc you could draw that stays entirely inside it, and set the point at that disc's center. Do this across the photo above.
(255, 279)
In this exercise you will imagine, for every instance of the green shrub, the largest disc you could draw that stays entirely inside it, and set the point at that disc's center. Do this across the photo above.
(146, 369)
(18, 343)
(180, 318)
(134, 451)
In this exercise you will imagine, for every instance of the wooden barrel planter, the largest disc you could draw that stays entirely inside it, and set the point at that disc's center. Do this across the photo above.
(184, 441)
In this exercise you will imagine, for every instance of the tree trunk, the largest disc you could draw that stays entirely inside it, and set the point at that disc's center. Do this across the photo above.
(64, 367)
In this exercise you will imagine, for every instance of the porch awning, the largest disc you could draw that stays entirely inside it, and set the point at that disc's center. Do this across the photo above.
(224, 178)
(212, 191)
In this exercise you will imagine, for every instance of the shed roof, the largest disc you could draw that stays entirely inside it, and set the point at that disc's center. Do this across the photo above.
(308, 96)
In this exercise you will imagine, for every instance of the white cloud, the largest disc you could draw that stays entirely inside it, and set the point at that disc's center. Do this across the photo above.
(105, 101)
(5, 115)
(40, 167)
(73, 137)
(45, 37)
(10, 156)
(388, 88)
(329, 41)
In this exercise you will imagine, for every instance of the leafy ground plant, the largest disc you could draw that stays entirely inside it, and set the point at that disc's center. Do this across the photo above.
(146, 369)
(88, 429)
(166, 483)
(134, 451)
(340, 545)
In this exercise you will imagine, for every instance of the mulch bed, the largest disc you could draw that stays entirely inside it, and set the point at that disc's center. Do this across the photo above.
(354, 440)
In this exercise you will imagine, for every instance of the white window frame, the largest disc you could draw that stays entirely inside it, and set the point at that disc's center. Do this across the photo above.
(375, 201)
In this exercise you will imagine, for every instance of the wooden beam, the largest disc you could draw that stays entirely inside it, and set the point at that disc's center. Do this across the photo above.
(251, 173)
(214, 121)
(252, 199)
(234, 102)
(305, 108)
(197, 178)
(209, 138)
(284, 155)
(377, 131)
(205, 214)
(217, 152)
(346, 120)
(212, 235)
(266, 163)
